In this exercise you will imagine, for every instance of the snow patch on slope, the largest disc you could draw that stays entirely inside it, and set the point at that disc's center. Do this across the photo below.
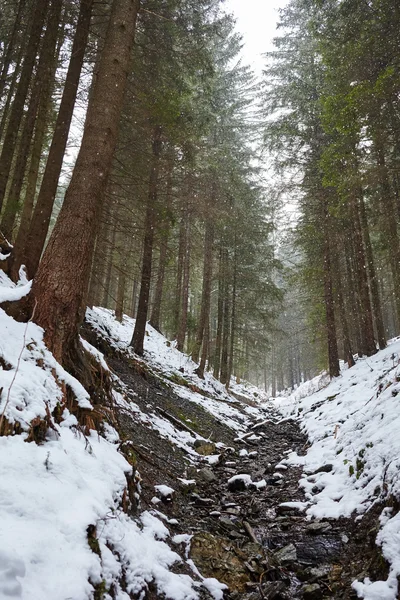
(353, 425)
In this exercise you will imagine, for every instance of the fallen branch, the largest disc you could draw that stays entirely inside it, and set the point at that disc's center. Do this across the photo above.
(176, 421)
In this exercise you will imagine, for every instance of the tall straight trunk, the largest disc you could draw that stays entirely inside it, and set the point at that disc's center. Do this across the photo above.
(29, 250)
(220, 307)
(119, 305)
(158, 292)
(347, 351)
(179, 272)
(351, 292)
(206, 290)
(223, 376)
(233, 316)
(391, 219)
(367, 328)
(60, 286)
(144, 294)
(373, 282)
(11, 91)
(204, 351)
(17, 109)
(40, 96)
(333, 354)
(108, 263)
(180, 339)
(8, 54)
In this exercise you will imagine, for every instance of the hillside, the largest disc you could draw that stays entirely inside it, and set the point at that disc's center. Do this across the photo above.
(177, 489)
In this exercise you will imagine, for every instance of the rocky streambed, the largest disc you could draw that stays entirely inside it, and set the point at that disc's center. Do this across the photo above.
(235, 513)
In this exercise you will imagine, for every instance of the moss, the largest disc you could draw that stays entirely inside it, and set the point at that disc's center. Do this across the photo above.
(100, 589)
(92, 540)
(351, 470)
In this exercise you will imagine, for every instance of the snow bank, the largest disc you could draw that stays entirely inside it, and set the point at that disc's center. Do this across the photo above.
(353, 424)
(53, 494)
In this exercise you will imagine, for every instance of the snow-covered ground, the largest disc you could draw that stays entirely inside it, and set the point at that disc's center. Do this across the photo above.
(353, 424)
(51, 493)
(164, 358)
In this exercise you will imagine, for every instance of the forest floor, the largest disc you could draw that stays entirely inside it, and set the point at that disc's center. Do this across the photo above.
(234, 508)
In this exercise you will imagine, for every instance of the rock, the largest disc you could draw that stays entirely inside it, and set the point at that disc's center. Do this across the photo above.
(324, 469)
(315, 573)
(284, 509)
(239, 483)
(216, 557)
(201, 501)
(204, 447)
(318, 527)
(312, 592)
(226, 523)
(273, 590)
(206, 474)
(287, 554)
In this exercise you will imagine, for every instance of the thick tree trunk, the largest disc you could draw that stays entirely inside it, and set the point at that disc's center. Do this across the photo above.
(29, 250)
(206, 291)
(108, 263)
(347, 351)
(40, 96)
(17, 109)
(61, 282)
(144, 294)
(233, 317)
(119, 305)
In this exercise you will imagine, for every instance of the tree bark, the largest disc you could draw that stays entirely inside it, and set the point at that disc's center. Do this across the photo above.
(60, 286)
(206, 290)
(40, 96)
(185, 285)
(220, 308)
(333, 355)
(11, 46)
(29, 250)
(144, 294)
(376, 302)
(17, 109)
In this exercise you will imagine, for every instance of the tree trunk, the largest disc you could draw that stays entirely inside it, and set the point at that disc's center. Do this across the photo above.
(156, 310)
(223, 377)
(367, 329)
(141, 317)
(40, 96)
(220, 308)
(206, 291)
(61, 282)
(179, 272)
(185, 287)
(8, 54)
(333, 355)
(29, 251)
(17, 109)
(233, 316)
(376, 302)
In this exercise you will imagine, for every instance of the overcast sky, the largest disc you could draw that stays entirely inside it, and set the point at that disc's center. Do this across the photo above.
(256, 21)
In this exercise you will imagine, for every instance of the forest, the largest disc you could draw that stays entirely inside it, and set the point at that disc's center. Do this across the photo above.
(199, 302)
(133, 175)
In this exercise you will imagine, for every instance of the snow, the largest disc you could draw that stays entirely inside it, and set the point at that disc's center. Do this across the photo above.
(353, 424)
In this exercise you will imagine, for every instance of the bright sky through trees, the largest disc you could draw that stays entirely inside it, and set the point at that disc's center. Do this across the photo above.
(256, 21)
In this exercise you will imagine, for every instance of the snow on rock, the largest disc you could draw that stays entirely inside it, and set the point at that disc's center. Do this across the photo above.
(354, 459)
